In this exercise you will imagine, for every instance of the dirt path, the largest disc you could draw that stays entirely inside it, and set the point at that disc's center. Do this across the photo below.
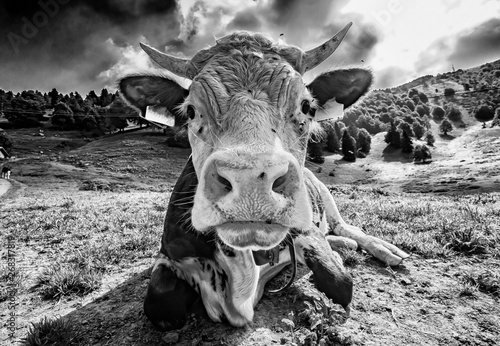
(4, 186)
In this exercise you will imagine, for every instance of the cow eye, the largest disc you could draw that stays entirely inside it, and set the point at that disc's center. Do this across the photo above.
(190, 112)
(306, 107)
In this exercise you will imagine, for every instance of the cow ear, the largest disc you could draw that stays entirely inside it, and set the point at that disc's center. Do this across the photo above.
(143, 91)
(345, 86)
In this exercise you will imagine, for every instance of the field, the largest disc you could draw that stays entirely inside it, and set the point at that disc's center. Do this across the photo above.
(84, 218)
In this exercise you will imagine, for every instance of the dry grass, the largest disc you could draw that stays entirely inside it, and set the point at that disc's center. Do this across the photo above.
(85, 234)
(428, 225)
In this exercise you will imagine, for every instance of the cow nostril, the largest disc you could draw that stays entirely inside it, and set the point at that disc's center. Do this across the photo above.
(279, 182)
(227, 185)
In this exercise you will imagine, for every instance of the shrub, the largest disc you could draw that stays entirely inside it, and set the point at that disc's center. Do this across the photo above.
(445, 126)
(497, 73)
(438, 113)
(449, 92)
(393, 136)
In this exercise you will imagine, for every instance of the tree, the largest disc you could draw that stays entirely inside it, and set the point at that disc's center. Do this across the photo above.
(418, 129)
(315, 150)
(422, 110)
(496, 119)
(449, 92)
(116, 115)
(404, 126)
(63, 117)
(393, 136)
(339, 128)
(332, 141)
(445, 126)
(484, 113)
(406, 143)
(423, 97)
(429, 137)
(364, 141)
(54, 97)
(421, 153)
(348, 147)
(438, 113)
(453, 112)
(5, 141)
(24, 113)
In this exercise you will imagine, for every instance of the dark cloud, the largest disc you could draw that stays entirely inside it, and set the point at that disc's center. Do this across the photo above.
(66, 44)
(390, 77)
(477, 46)
(469, 48)
(245, 20)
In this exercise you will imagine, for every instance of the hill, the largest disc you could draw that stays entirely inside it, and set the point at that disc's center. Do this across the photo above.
(85, 218)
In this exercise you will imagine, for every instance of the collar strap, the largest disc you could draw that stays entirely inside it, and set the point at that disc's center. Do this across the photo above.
(262, 257)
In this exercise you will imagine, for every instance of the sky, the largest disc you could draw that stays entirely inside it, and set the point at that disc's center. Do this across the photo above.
(83, 45)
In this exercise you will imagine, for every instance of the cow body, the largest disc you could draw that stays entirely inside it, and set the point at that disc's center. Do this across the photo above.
(245, 190)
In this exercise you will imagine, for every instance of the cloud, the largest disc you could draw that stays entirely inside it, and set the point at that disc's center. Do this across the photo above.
(245, 20)
(68, 45)
(391, 76)
(477, 46)
(468, 48)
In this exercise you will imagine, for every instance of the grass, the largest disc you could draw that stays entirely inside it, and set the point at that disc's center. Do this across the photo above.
(63, 280)
(87, 235)
(56, 332)
(431, 226)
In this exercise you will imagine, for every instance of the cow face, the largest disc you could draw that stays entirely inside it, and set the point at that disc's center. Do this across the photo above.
(249, 116)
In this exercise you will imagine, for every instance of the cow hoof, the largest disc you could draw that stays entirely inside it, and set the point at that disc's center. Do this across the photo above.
(168, 299)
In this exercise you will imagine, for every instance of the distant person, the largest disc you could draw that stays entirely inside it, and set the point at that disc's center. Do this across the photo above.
(6, 172)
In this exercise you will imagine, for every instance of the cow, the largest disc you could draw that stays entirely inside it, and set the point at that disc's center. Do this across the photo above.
(244, 205)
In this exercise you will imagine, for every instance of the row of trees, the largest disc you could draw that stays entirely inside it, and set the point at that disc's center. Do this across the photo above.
(352, 141)
(106, 112)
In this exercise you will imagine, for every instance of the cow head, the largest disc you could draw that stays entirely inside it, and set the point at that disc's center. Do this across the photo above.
(249, 116)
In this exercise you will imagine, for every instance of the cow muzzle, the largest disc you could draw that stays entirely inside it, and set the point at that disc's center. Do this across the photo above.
(251, 200)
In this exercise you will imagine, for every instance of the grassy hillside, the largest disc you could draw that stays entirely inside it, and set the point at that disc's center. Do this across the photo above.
(83, 222)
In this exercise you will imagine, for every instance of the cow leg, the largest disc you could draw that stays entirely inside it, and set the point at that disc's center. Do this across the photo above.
(168, 299)
(329, 273)
(382, 250)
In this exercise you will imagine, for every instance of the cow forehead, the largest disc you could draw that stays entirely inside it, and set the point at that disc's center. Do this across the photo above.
(226, 80)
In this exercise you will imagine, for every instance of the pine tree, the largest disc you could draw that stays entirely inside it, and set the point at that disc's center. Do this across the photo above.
(348, 147)
(364, 141)
(406, 143)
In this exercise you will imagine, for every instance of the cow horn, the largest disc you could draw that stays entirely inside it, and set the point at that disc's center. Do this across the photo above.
(317, 55)
(179, 66)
